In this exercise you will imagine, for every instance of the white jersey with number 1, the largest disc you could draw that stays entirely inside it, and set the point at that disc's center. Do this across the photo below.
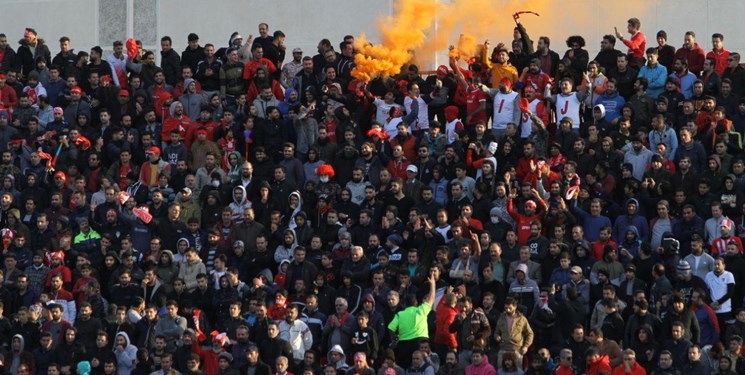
(504, 109)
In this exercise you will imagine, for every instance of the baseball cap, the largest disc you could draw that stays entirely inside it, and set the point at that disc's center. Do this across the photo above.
(153, 150)
(412, 168)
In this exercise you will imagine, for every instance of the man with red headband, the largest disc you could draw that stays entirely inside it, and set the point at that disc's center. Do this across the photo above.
(29, 50)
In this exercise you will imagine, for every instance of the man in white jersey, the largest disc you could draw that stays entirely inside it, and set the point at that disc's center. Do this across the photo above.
(537, 107)
(721, 285)
(396, 117)
(384, 106)
(506, 107)
(567, 102)
(422, 121)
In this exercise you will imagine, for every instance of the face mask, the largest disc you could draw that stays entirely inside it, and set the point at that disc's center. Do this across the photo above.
(494, 220)
(216, 183)
(324, 179)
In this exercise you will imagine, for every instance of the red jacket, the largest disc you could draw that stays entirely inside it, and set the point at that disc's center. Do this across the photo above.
(523, 222)
(524, 174)
(209, 358)
(636, 370)
(182, 123)
(599, 366)
(695, 57)
(564, 370)
(408, 145)
(191, 132)
(721, 60)
(61, 270)
(443, 318)
(249, 71)
(398, 168)
(179, 89)
(253, 92)
(8, 97)
(637, 45)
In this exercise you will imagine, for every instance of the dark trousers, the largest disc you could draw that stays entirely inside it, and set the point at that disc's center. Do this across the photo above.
(404, 349)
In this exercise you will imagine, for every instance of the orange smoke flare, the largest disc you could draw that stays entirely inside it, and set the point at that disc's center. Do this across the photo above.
(420, 31)
(401, 35)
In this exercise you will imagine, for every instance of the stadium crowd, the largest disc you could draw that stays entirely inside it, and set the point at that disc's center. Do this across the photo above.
(234, 210)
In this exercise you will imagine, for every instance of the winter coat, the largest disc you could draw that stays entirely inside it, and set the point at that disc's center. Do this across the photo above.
(126, 357)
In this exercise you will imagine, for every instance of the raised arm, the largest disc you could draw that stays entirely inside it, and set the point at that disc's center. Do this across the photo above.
(432, 292)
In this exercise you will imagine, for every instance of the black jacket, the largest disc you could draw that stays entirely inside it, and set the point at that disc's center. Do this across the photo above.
(9, 62)
(170, 62)
(25, 59)
(554, 61)
(191, 57)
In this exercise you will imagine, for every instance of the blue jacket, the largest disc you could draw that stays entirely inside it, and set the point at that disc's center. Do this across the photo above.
(624, 222)
(666, 136)
(591, 224)
(657, 77)
(686, 83)
(708, 324)
(612, 104)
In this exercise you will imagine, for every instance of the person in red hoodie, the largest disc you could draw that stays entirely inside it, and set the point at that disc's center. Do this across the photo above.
(531, 214)
(692, 52)
(177, 120)
(57, 267)
(445, 314)
(718, 53)
(480, 364)
(527, 165)
(629, 366)
(210, 357)
(597, 364)
(399, 164)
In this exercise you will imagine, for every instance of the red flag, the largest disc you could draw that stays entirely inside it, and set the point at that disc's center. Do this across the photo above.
(132, 49)
(44, 155)
(143, 214)
(83, 143)
(524, 105)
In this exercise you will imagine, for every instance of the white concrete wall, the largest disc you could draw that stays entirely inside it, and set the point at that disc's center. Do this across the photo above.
(306, 22)
(51, 19)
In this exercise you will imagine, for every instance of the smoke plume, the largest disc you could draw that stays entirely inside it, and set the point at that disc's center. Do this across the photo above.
(420, 31)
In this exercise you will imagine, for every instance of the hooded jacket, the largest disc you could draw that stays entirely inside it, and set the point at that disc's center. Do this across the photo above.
(485, 368)
(624, 223)
(171, 328)
(342, 364)
(285, 251)
(247, 231)
(211, 213)
(189, 271)
(238, 206)
(192, 102)
(25, 58)
(126, 357)
(167, 272)
(20, 357)
(599, 366)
